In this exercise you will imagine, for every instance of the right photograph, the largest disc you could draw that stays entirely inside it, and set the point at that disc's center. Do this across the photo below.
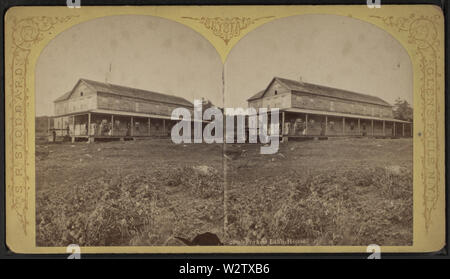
(343, 173)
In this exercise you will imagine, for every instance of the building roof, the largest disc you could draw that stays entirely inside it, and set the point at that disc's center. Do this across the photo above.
(298, 86)
(65, 96)
(257, 95)
(129, 92)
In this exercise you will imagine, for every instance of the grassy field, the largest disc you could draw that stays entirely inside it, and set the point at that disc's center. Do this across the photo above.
(333, 192)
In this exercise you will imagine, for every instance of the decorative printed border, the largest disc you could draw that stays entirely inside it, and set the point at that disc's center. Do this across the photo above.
(26, 34)
(423, 35)
(226, 28)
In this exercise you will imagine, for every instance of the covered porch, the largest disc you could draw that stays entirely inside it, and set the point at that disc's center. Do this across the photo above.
(110, 125)
(309, 123)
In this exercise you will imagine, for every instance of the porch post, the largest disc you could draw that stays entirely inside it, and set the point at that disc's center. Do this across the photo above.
(393, 130)
(326, 124)
(73, 125)
(282, 123)
(131, 127)
(148, 126)
(411, 125)
(359, 126)
(372, 128)
(164, 127)
(89, 125)
(384, 126)
(403, 129)
(343, 126)
(73, 128)
(306, 124)
(112, 125)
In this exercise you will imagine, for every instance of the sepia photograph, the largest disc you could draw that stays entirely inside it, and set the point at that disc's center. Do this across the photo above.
(344, 170)
(225, 132)
(109, 172)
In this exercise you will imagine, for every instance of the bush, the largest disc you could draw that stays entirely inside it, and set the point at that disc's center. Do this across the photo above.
(339, 207)
(123, 210)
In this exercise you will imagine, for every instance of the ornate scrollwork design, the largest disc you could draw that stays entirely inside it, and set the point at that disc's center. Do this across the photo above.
(226, 28)
(26, 34)
(423, 34)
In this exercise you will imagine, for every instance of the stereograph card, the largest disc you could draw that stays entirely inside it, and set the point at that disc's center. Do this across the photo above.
(225, 129)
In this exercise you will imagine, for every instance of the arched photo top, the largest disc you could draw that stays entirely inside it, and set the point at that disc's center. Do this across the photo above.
(144, 52)
(327, 50)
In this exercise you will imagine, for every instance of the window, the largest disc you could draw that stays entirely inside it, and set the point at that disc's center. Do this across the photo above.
(276, 92)
(81, 93)
(332, 106)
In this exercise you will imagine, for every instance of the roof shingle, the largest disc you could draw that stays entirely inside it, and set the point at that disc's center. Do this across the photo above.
(131, 92)
(65, 96)
(257, 95)
(326, 91)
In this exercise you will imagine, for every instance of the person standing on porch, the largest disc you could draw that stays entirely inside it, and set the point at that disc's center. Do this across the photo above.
(128, 129)
(287, 126)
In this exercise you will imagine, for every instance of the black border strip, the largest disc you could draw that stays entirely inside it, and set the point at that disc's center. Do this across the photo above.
(6, 253)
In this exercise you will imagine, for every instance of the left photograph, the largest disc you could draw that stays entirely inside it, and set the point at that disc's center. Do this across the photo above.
(107, 173)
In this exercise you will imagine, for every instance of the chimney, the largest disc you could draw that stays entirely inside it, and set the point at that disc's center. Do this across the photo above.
(108, 74)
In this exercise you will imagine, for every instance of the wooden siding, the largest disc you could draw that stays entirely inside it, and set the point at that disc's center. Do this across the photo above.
(276, 96)
(308, 101)
(119, 103)
(255, 103)
(82, 99)
(275, 89)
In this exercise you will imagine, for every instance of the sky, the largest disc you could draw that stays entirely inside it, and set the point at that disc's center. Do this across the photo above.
(160, 55)
(328, 50)
(144, 52)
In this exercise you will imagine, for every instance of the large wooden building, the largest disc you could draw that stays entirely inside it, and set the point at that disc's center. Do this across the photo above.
(314, 110)
(96, 110)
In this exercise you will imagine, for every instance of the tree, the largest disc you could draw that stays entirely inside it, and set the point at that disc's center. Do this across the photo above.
(403, 110)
